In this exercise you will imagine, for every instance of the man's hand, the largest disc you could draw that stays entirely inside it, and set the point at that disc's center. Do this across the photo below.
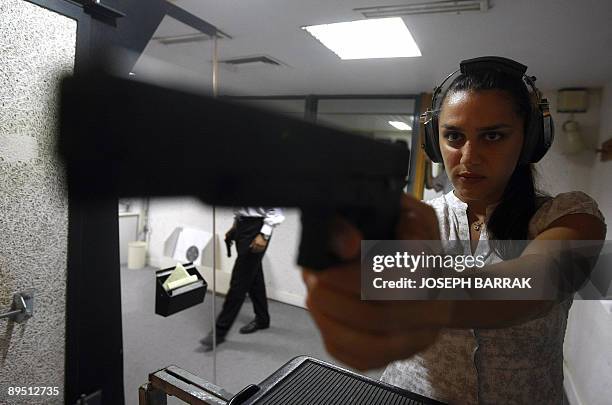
(229, 234)
(258, 244)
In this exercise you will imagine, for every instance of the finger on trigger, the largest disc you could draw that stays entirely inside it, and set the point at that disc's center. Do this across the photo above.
(345, 239)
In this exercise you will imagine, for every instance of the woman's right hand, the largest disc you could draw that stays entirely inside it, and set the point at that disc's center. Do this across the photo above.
(371, 334)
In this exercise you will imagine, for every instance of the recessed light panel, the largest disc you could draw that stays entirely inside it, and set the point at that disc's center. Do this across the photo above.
(367, 39)
(400, 125)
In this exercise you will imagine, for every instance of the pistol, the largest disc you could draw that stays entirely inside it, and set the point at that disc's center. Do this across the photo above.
(124, 138)
(229, 237)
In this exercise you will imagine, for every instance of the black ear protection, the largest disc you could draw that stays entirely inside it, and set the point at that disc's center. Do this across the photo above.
(539, 134)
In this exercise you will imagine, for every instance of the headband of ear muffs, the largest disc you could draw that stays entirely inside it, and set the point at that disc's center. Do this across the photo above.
(539, 132)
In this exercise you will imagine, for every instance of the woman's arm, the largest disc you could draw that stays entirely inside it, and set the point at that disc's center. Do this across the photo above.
(542, 264)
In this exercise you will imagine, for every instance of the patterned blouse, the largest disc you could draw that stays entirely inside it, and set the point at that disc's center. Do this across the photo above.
(521, 364)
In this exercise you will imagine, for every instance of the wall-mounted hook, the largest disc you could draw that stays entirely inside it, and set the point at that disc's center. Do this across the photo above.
(22, 308)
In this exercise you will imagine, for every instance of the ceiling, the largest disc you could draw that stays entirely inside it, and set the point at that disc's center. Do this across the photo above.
(564, 43)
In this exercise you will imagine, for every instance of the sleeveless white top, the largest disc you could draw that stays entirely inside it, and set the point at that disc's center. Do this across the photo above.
(522, 364)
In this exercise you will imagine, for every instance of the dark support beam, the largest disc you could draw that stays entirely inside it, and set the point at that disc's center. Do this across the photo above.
(193, 21)
(101, 11)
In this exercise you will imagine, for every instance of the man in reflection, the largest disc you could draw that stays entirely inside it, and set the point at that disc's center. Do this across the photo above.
(252, 230)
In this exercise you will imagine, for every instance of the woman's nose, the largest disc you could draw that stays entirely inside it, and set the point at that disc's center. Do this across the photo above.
(470, 154)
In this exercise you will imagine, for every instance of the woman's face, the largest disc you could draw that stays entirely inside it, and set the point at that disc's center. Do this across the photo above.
(481, 136)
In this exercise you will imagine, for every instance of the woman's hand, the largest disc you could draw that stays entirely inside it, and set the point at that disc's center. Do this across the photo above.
(371, 334)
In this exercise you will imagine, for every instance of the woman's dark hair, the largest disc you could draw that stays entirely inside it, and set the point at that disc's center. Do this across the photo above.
(510, 219)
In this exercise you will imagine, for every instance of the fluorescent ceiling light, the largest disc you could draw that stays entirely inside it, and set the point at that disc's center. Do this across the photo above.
(431, 7)
(402, 126)
(367, 39)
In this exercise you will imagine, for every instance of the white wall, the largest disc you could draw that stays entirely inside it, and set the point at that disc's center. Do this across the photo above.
(588, 349)
(559, 172)
(602, 171)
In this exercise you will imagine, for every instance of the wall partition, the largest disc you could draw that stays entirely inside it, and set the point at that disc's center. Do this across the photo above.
(37, 47)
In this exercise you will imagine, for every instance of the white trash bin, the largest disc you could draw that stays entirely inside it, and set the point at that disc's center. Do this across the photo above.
(137, 254)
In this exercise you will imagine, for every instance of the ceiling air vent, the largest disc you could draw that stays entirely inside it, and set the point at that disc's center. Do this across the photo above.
(431, 7)
(187, 38)
(257, 60)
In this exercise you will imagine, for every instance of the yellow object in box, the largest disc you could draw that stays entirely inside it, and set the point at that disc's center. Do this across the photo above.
(178, 278)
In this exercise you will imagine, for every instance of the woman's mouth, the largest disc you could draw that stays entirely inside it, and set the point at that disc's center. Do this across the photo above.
(470, 178)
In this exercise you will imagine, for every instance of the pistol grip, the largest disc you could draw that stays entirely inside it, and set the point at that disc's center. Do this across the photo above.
(316, 252)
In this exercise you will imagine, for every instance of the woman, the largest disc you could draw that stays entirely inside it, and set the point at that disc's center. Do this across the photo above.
(466, 352)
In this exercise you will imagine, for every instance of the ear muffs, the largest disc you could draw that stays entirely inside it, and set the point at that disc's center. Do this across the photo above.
(539, 133)
(431, 141)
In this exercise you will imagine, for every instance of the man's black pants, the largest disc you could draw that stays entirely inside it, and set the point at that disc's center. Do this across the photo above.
(247, 278)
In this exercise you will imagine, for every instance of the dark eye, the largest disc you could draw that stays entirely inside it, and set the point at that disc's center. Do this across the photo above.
(453, 137)
(493, 136)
